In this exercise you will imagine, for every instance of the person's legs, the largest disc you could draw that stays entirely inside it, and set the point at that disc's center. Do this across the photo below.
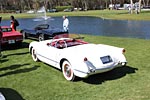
(0, 50)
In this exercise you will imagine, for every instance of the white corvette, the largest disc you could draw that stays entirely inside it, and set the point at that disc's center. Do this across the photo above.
(77, 58)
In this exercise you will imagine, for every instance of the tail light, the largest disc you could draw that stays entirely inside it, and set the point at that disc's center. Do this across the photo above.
(4, 39)
(123, 51)
(48, 44)
(85, 59)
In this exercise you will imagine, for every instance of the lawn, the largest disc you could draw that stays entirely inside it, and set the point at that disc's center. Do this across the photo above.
(23, 79)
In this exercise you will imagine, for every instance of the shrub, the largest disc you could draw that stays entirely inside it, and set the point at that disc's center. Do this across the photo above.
(62, 8)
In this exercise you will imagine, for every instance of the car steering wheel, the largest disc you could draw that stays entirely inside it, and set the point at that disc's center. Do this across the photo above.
(61, 44)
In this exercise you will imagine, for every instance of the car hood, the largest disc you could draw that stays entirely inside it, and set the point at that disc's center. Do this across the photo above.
(52, 30)
(49, 31)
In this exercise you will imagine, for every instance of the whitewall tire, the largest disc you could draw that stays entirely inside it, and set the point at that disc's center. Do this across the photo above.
(67, 71)
(34, 55)
(41, 37)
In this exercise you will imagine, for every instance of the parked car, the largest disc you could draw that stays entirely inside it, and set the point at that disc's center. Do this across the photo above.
(41, 32)
(77, 58)
(52, 10)
(30, 12)
(10, 36)
(68, 10)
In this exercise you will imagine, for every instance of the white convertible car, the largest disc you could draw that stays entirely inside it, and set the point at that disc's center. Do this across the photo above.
(77, 58)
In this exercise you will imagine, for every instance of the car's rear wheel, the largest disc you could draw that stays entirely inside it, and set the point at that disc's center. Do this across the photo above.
(34, 55)
(67, 71)
(24, 35)
(41, 37)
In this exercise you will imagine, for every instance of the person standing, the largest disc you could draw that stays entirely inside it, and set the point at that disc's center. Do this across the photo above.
(65, 24)
(16, 23)
(0, 41)
(1, 34)
(12, 25)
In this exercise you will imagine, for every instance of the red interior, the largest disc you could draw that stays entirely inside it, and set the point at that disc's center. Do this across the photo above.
(69, 42)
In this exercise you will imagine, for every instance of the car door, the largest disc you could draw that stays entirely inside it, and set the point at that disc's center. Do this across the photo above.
(50, 54)
(33, 33)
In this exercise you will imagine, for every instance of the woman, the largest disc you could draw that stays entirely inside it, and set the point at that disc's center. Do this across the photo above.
(12, 25)
(1, 34)
(16, 23)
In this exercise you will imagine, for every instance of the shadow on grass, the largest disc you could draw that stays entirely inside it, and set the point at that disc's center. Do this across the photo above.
(23, 53)
(17, 71)
(11, 94)
(111, 75)
(145, 11)
(34, 39)
(13, 67)
(3, 60)
(15, 46)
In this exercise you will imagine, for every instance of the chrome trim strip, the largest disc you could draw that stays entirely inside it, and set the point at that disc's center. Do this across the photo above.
(81, 71)
(48, 58)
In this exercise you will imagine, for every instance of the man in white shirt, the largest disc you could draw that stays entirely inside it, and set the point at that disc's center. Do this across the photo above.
(65, 24)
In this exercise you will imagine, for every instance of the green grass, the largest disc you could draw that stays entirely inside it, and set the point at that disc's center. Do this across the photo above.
(22, 78)
(108, 14)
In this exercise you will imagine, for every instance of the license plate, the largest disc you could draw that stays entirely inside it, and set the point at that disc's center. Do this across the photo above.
(11, 41)
(106, 59)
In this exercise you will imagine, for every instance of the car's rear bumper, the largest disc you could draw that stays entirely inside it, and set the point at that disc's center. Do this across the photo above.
(6, 42)
(96, 71)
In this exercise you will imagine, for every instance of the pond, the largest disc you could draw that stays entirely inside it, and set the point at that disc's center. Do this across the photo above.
(94, 26)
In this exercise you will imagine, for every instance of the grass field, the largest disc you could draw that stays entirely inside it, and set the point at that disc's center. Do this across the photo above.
(23, 79)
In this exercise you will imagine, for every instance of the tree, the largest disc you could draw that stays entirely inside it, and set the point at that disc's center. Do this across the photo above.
(131, 5)
(139, 10)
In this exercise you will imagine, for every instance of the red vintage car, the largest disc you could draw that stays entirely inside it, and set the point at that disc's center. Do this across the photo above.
(10, 36)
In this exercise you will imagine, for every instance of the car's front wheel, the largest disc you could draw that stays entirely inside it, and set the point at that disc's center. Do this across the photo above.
(67, 71)
(34, 55)
(41, 37)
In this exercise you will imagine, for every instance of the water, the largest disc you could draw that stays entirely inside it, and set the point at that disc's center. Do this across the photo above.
(41, 13)
(94, 26)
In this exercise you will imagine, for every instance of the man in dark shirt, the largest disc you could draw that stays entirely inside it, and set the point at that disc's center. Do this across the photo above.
(15, 21)
(0, 37)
